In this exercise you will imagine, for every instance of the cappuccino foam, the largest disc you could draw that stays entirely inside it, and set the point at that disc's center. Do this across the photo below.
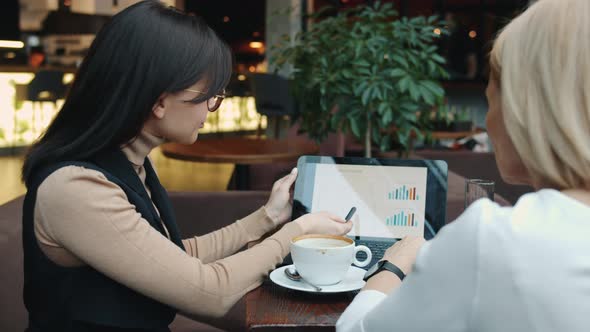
(322, 243)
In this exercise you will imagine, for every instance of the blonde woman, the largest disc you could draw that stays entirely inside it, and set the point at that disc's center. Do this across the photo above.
(524, 268)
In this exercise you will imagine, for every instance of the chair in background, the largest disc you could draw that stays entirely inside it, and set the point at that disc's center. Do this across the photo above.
(263, 176)
(239, 88)
(273, 99)
(46, 86)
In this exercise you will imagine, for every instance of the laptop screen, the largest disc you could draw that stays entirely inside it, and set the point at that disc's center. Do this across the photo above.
(393, 198)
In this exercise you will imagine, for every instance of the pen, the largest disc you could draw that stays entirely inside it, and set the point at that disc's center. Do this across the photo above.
(350, 213)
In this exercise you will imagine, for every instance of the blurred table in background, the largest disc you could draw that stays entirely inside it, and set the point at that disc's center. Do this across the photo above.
(241, 151)
(439, 135)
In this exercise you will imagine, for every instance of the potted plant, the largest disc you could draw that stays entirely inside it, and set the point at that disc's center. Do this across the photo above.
(367, 71)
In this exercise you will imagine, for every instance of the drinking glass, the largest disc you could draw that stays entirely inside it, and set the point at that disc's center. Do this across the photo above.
(478, 188)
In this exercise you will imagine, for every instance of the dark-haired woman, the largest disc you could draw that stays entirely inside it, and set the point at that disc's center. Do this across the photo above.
(102, 249)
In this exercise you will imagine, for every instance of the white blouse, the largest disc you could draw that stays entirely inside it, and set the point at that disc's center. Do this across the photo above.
(521, 268)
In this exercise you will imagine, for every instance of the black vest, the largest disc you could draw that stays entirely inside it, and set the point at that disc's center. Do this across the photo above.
(81, 298)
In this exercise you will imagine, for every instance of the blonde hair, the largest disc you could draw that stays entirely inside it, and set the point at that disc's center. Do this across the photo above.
(541, 61)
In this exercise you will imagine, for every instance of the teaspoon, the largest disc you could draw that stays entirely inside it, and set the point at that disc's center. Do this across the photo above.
(292, 274)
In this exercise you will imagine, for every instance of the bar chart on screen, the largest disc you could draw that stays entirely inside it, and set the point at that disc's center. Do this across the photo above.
(403, 193)
(404, 218)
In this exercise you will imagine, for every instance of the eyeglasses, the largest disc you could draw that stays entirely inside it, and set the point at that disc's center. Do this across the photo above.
(213, 103)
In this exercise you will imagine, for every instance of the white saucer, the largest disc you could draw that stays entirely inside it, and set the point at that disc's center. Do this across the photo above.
(352, 281)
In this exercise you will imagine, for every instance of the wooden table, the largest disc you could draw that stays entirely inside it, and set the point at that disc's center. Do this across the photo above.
(438, 135)
(274, 308)
(241, 151)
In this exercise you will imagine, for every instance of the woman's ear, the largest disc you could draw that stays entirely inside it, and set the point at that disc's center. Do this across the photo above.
(159, 108)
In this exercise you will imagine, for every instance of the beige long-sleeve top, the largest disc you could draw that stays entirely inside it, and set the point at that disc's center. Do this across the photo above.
(82, 218)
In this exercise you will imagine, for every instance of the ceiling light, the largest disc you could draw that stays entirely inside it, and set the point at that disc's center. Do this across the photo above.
(12, 43)
(256, 44)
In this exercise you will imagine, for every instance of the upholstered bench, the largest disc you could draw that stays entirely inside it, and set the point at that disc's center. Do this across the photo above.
(196, 212)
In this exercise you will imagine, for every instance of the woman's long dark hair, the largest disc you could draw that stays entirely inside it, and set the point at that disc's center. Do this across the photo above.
(144, 51)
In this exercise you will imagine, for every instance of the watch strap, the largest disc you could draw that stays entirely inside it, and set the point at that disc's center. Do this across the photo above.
(388, 266)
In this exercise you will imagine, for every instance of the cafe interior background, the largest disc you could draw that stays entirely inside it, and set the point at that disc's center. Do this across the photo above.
(37, 36)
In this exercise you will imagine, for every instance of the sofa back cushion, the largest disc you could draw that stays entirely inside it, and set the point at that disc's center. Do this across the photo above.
(199, 213)
(13, 316)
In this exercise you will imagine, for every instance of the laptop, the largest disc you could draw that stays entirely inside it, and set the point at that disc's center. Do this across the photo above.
(393, 197)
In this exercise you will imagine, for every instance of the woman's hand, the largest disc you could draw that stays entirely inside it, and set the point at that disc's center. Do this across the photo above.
(323, 223)
(403, 253)
(279, 204)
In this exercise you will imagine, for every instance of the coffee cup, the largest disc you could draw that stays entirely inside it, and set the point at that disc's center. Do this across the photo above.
(325, 259)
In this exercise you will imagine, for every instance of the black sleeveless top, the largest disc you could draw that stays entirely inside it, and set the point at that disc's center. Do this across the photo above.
(79, 299)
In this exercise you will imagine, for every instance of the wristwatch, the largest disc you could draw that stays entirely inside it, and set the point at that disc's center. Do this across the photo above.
(384, 266)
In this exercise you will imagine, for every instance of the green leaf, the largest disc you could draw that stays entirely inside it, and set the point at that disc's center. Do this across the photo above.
(335, 121)
(436, 89)
(364, 71)
(410, 106)
(409, 116)
(355, 128)
(360, 88)
(419, 133)
(374, 69)
(387, 118)
(404, 84)
(431, 67)
(414, 93)
(357, 50)
(346, 73)
(366, 95)
(403, 136)
(377, 93)
(362, 63)
(397, 72)
(414, 61)
(403, 62)
(428, 97)
(439, 59)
